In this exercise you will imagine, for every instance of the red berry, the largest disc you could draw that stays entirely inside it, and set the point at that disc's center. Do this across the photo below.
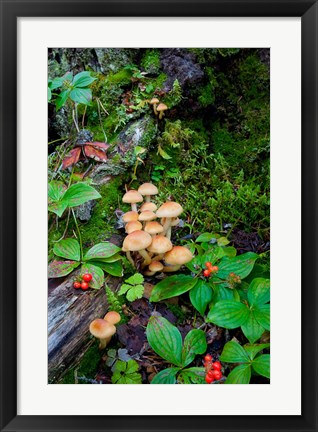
(209, 379)
(84, 286)
(210, 373)
(76, 285)
(87, 277)
(217, 374)
(208, 358)
(208, 265)
(217, 365)
(206, 273)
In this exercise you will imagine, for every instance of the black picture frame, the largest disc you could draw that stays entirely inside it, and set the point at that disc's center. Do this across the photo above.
(10, 11)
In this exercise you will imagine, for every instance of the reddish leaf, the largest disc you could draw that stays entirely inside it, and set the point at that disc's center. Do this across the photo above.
(98, 144)
(71, 158)
(94, 153)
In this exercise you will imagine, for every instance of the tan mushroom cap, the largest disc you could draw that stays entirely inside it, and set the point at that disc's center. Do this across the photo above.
(133, 226)
(160, 244)
(147, 215)
(154, 101)
(148, 189)
(112, 317)
(153, 227)
(137, 241)
(132, 196)
(175, 221)
(130, 216)
(148, 206)
(169, 209)
(155, 266)
(102, 329)
(162, 107)
(178, 255)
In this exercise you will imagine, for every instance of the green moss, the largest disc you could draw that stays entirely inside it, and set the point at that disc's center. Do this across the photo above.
(151, 61)
(86, 368)
(122, 78)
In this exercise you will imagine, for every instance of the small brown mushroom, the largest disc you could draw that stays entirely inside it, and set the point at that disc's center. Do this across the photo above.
(132, 197)
(169, 210)
(153, 268)
(177, 256)
(154, 102)
(130, 216)
(133, 226)
(138, 241)
(160, 109)
(148, 206)
(153, 228)
(112, 317)
(159, 245)
(102, 330)
(148, 190)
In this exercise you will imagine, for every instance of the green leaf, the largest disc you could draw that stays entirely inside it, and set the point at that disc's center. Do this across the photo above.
(49, 94)
(229, 251)
(110, 259)
(137, 278)
(239, 375)
(172, 286)
(56, 83)
(194, 343)
(165, 339)
(228, 313)
(251, 328)
(259, 291)
(101, 250)
(97, 273)
(126, 373)
(56, 190)
(61, 268)
(201, 296)
(58, 208)
(81, 95)
(241, 265)
(162, 153)
(206, 237)
(135, 293)
(262, 315)
(195, 375)
(222, 241)
(166, 376)
(83, 79)
(113, 268)
(68, 76)
(252, 350)
(223, 292)
(123, 289)
(132, 366)
(261, 365)
(68, 248)
(80, 193)
(61, 99)
(234, 353)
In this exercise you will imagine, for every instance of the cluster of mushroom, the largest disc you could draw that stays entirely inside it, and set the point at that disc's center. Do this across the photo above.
(150, 238)
(158, 107)
(104, 328)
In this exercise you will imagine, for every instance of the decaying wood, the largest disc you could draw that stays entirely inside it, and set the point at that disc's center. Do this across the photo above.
(70, 312)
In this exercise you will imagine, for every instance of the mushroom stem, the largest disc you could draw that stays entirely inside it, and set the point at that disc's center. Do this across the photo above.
(149, 273)
(103, 343)
(145, 256)
(134, 207)
(157, 257)
(128, 255)
(171, 268)
(147, 198)
(168, 233)
(161, 114)
(155, 109)
(166, 225)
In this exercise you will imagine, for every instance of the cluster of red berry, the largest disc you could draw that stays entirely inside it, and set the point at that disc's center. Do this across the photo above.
(213, 369)
(233, 279)
(209, 269)
(86, 278)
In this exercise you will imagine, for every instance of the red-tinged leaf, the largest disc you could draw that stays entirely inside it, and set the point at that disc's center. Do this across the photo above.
(61, 268)
(98, 144)
(94, 153)
(71, 158)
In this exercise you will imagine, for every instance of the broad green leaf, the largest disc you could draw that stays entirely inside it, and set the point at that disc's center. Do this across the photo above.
(56, 83)
(56, 190)
(49, 94)
(166, 376)
(58, 208)
(241, 265)
(252, 350)
(126, 373)
(172, 286)
(61, 268)
(113, 268)
(139, 150)
(68, 76)
(223, 292)
(97, 273)
(199, 261)
(262, 315)
(68, 248)
(165, 339)
(132, 366)
(233, 352)
(137, 278)
(135, 292)
(229, 251)
(222, 241)
(239, 375)
(83, 79)
(111, 259)
(101, 250)
(61, 99)
(195, 375)
(259, 271)
(162, 153)
(206, 237)
(201, 296)
(251, 328)
(194, 343)
(81, 95)
(261, 365)
(259, 291)
(228, 313)
(79, 193)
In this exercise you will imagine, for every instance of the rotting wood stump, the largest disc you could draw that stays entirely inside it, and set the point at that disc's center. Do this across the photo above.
(70, 312)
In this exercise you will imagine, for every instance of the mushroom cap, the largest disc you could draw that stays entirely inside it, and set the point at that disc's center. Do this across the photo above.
(132, 196)
(133, 226)
(147, 215)
(137, 240)
(130, 216)
(102, 329)
(153, 227)
(175, 221)
(112, 317)
(178, 255)
(162, 107)
(148, 189)
(155, 266)
(160, 244)
(154, 101)
(169, 209)
(148, 206)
